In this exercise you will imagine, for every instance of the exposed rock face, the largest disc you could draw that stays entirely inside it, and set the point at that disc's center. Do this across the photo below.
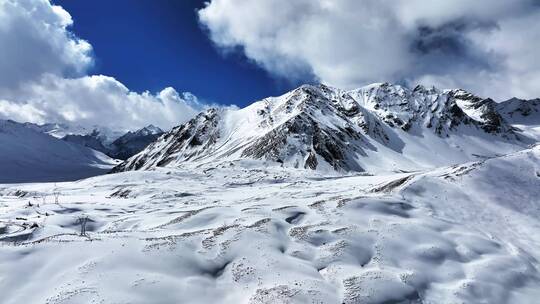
(182, 143)
(316, 127)
(481, 110)
(442, 111)
(303, 136)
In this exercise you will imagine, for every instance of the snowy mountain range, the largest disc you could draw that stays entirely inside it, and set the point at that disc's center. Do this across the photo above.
(382, 194)
(116, 145)
(374, 129)
(27, 155)
(377, 128)
(59, 152)
(61, 130)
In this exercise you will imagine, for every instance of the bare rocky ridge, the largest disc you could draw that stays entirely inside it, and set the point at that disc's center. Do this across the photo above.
(324, 128)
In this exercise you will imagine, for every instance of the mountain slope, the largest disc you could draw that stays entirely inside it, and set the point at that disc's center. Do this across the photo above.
(60, 130)
(380, 127)
(498, 196)
(443, 111)
(118, 147)
(92, 140)
(27, 155)
(520, 111)
(132, 143)
(522, 114)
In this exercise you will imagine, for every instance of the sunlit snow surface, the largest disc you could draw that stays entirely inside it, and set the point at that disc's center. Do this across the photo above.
(237, 234)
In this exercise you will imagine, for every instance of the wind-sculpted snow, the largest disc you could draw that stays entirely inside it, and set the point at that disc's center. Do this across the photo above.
(378, 128)
(265, 234)
(500, 196)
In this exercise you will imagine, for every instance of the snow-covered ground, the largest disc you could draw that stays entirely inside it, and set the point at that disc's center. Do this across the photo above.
(246, 233)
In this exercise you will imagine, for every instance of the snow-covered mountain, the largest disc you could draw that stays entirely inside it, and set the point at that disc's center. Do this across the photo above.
(524, 115)
(57, 130)
(60, 130)
(55, 152)
(132, 143)
(377, 128)
(29, 155)
(115, 145)
(93, 140)
(520, 111)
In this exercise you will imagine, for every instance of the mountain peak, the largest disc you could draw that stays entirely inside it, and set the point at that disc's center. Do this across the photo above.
(376, 127)
(153, 129)
(148, 130)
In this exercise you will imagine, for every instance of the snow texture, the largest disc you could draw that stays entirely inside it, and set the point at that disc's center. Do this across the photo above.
(235, 234)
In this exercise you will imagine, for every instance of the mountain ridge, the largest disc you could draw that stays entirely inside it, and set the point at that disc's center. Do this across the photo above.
(325, 128)
(29, 155)
(114, 143)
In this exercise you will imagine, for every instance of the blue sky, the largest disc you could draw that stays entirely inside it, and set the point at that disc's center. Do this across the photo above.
(148, 45)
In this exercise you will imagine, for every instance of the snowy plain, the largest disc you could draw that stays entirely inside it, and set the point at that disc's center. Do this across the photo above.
(237, 233)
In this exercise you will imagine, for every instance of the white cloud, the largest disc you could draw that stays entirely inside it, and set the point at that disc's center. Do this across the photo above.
(96, 100)
(43, 76)
(35, 40)
(487, 46)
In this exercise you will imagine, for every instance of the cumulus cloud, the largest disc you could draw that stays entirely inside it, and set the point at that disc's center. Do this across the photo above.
(487, 46)
(44, 76)
(35, 40)
(97, 100)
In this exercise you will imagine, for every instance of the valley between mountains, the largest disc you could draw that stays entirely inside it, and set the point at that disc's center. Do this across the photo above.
(383, 194)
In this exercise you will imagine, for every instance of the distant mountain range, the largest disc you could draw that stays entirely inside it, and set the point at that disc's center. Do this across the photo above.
(377, 128)
(61, 130)
(58, 152)
(374, 129)
(27, 154)
(114, 143)
(118, 147)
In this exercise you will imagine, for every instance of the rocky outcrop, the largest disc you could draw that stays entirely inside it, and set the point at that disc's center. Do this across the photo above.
(316, 127)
